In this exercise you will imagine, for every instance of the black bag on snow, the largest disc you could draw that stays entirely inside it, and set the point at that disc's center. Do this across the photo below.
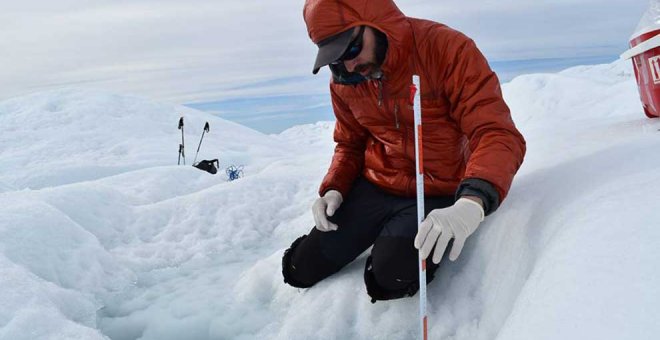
(210, 166)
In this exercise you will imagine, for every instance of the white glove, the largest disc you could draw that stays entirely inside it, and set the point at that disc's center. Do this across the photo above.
(441, 225)
(326, 206)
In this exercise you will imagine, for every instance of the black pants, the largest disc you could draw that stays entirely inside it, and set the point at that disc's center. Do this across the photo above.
(368, 216)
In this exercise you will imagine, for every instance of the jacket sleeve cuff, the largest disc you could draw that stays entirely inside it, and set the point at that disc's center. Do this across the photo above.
(325, 190)
(482, 189)
(343, 190)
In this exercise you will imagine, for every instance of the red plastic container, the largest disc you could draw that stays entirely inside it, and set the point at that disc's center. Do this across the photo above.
(647, 72)
(645, 53)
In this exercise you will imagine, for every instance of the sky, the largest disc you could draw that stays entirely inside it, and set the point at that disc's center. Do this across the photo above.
(250, 61)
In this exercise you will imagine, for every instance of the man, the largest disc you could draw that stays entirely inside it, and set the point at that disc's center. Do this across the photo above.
(472, 149)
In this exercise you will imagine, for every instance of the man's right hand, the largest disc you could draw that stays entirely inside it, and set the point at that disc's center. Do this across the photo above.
(326, 206)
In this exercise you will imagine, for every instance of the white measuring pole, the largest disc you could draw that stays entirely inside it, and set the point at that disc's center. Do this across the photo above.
(419, 164)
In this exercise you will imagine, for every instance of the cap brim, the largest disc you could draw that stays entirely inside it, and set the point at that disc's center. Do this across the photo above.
(331, 49)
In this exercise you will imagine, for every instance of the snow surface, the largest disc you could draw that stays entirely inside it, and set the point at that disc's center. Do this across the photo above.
(103, 236)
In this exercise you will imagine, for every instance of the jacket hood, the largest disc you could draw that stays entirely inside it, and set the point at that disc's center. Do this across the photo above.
(325, 18)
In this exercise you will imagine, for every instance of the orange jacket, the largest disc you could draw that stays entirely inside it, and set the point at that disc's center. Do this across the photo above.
(467, 128)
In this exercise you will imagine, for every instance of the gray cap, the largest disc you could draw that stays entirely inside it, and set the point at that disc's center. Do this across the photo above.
(330, 49)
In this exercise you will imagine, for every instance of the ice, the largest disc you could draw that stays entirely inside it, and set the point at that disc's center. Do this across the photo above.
(103, 236)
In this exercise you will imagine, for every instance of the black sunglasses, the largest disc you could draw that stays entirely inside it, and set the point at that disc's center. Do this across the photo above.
(353, 49)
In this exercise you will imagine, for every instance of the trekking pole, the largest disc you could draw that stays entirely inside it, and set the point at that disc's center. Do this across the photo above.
(206, 129)
(415, 98)
(182, 146)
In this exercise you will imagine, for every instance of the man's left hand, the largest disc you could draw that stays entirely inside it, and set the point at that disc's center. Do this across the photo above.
(441, 225)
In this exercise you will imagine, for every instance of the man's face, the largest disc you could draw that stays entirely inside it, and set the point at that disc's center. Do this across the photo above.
(365, 63)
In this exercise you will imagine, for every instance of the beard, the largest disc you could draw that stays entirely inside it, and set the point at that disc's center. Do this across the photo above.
(374, 70)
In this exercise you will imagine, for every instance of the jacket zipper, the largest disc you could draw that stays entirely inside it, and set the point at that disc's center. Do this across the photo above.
(396, 115)
(380, 92)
